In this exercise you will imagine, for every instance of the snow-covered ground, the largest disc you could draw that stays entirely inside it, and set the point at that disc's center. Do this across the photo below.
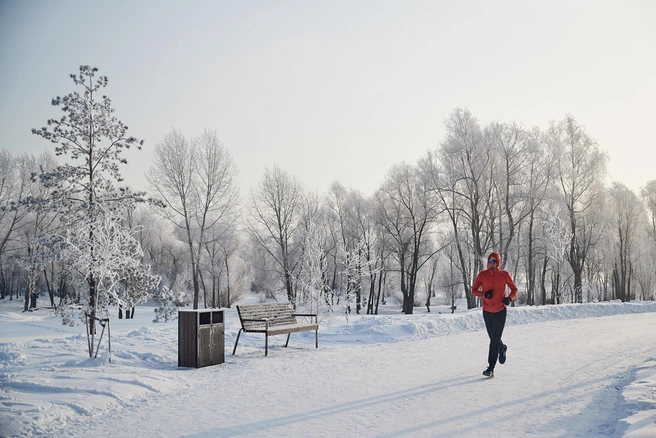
(572, 370)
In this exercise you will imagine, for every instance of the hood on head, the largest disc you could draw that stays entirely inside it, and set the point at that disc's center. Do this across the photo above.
(497, 256)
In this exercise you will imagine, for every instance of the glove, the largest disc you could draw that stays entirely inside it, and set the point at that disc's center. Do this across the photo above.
(506, 301)
(488, 294)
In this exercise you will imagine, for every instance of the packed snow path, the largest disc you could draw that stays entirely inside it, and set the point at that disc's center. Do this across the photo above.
(562, 378)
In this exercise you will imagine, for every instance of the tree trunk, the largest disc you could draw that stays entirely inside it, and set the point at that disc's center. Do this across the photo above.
(372, 294)
(358, 289)
(543, 281)
(201, 282)
(556, 290)
(404, 286)
(26, 304)
(51, 293)
(381, 281)
(289, 288)
(3, 283)
(530, 292)
(228, 304)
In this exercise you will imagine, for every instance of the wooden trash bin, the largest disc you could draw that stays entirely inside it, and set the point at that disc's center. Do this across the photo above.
(200, 337)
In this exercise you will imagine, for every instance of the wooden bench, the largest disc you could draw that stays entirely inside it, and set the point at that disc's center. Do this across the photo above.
(273, 319)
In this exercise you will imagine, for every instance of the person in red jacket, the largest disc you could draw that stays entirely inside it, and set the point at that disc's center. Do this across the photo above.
(491, 285)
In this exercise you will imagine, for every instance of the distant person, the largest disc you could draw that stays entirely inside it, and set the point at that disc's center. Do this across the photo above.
(491, 285)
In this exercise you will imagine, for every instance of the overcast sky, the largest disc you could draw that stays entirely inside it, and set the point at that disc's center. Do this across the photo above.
(337, 90)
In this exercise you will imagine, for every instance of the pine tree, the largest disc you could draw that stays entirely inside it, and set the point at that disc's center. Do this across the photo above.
(83, 189)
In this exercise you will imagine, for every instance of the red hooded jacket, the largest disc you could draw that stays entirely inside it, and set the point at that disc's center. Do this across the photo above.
(494, 279)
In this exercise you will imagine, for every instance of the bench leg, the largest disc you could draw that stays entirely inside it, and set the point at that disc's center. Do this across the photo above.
(236, 342)
(288, 335)
(316, 338)
(266, 344)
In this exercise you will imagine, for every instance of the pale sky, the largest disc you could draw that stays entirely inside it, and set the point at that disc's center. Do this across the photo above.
(336, 90)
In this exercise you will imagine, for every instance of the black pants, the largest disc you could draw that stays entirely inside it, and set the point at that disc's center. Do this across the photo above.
(494, 323)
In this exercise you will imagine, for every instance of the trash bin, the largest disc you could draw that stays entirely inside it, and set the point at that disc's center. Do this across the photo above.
(200, 337)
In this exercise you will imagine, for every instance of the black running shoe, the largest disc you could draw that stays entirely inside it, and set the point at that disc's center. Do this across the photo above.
(489, 372)
(502, 354)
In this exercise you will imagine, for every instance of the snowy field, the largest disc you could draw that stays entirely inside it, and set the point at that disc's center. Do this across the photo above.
(572, 370)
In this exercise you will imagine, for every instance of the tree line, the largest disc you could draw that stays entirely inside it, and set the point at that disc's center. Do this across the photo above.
(71, 232)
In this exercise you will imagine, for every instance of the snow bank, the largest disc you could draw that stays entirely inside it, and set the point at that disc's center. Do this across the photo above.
(639, 401)
(387, 328)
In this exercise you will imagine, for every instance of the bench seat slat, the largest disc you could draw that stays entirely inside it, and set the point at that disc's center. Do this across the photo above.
(279, 317)
(279, 330)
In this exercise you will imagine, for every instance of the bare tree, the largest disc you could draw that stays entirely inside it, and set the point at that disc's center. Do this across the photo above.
(648, 195)
(274, 221)
(431, 269)
(364, 218)
(538, 174)
(161, 248)
(344, 236)
(37, 223)
(408, 214)
(197, 181)
(265, 280)
(511, 145)
(557, 238)
(449, 277)
(580, 168)
(459, 175)
(220, 249)
(311, 280)
(353, 222)
(628, 221)
(15, 183)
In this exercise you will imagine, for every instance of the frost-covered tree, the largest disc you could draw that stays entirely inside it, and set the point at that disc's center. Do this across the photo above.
(221, 282)
(342, 225)
(167, 300)
(15, 186)
(34, 258)
(557, 236)
(579, 172)
(449, 277)
(364, 216)
(84, 188)
(648, 196)
(197, 181)
(136, 284)
(538, 173)
(357, 266)
(121, 279)
(408, 214)
(311, 288)
(512, 145)
(460, 176)
(627, 227)
(275, 214)
(167, 255)
(264, 280)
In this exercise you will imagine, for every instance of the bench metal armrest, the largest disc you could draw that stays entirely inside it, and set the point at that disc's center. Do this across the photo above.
(265, 321)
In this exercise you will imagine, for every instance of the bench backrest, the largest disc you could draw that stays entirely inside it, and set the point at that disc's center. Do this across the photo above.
(275, 313)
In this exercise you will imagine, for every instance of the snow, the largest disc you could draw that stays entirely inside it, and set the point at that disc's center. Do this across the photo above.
(572, 370)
